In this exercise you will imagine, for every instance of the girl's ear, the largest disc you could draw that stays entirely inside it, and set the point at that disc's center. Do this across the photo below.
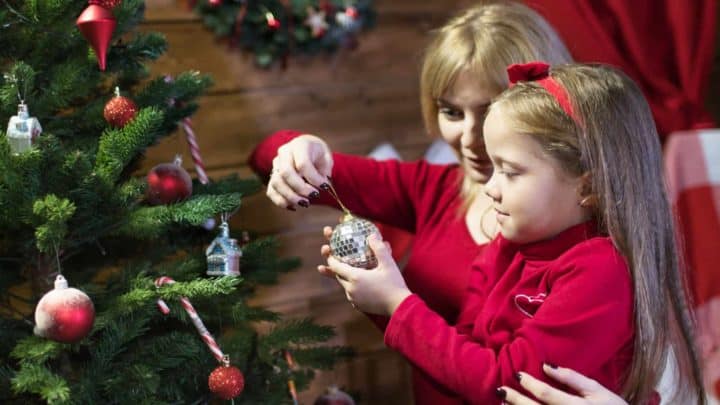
(588, 198)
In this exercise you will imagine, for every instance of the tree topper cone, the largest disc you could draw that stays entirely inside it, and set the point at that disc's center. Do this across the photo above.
(64, 314)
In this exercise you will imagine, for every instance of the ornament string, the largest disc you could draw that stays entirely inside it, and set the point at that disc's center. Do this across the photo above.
(194, 317)
(334, 194)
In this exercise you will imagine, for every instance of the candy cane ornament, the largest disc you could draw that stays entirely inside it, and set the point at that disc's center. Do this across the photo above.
(202, 330)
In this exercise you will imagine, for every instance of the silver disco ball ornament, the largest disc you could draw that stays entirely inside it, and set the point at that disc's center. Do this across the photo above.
(348, 242)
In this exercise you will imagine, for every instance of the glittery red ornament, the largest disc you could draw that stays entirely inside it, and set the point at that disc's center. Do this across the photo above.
(64, 314)
(168, 183)
(227, 382)
(272, 22)
(119, 110)
(109, 4)
(97, 24)
(215, 3)
(334, 396)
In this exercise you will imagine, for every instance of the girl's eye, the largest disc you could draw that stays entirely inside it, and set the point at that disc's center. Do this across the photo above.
(451, 113)
(509, 175)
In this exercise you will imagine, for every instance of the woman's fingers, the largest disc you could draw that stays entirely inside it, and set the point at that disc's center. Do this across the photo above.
(544, 392)
(510, 396)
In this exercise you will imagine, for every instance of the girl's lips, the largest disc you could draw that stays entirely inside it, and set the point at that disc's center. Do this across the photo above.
(500, 212)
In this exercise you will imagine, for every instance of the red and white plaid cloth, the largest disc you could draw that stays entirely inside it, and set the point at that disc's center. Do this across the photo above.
(692, 167)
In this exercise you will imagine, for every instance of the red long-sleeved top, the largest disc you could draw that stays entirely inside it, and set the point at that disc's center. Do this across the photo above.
(567, 300)
(416, 196)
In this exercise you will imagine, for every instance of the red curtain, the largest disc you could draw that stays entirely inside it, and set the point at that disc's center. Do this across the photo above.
(666, 46)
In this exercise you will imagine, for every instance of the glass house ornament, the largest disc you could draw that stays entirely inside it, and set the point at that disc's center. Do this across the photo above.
(23, 130)
(223, 254)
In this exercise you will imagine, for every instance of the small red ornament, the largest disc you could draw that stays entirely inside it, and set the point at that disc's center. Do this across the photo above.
(272, 22)
(352, 12)
(97, 24)
(334, 396)
(109, 4)
(226, 381)
(168, 183)
(64, 314)
(215, 3)
(119, 110)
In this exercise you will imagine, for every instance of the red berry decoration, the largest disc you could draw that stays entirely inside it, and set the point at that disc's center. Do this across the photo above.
(119, 110)
(109, 4)
(334, 396)
(227, 382)
(168, 183)
(64, 314)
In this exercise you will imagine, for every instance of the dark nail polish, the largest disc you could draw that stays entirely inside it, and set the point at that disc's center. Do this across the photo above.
(314, 195)
(290, 208)
(518, 376)
(552, 366)
(303, 203)
(325, 186)
(501, 393)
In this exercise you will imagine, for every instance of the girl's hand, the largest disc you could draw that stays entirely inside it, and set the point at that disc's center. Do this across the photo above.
(301, 167)
(591, 392)
(376, 291)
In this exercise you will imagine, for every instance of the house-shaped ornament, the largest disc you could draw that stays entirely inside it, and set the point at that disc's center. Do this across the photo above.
(223, 254)
(22, 130)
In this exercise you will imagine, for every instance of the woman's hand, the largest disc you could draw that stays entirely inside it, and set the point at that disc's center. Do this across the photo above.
(301, 167)
(591, 392)
(376, 291)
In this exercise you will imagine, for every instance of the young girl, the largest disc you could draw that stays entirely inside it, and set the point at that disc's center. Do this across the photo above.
(463, 68)
(584, 270)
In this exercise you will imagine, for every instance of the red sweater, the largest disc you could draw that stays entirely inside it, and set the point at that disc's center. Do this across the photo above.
(415, 196)
(565, 301)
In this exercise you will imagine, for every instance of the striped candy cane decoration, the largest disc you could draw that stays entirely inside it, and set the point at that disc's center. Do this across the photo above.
(194, 150)
(202, 330)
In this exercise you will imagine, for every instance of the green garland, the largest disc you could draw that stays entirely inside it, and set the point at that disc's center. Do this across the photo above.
(275, 29)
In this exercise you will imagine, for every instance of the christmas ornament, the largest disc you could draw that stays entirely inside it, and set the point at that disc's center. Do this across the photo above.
(119, 110)
(272, 22)
(348, 242)
(226, 381)
(215, 3)
(97, 23)
(64, 314)
(348, 19)
(23, 130)
(168, 183)
(108, 4)
(223, 254)
(291, 383)
(334, 396)
(316, 21)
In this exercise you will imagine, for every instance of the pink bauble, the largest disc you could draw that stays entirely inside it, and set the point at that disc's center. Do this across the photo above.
(64, 314)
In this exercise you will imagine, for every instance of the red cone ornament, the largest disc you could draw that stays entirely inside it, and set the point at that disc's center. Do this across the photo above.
(108, 4)
(334, 396)
(119, 110)
(227, 382)
(97, 24)
(64, 314)
(168, 183)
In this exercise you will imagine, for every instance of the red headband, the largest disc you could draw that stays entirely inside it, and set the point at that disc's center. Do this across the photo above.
(538, 72)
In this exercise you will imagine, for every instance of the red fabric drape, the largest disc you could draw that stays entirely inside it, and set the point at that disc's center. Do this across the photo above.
(666, 46)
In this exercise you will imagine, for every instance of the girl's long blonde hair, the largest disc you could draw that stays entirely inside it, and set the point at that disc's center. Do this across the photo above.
(484, 39)
(614, 143)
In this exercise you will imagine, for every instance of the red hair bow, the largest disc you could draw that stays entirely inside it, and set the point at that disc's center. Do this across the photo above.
(527, 72)
(539, 72)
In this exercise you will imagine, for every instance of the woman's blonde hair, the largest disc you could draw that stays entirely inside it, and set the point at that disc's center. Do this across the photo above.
(484, 39)
(613, 142)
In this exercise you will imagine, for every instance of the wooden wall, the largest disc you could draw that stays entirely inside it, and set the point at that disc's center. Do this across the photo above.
(356, 100)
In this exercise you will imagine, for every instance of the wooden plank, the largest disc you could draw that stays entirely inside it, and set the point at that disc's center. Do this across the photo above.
(353, 118)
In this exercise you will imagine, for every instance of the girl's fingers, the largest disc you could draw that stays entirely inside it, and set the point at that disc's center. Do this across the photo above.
(544, 392)
(515, 398)
(327, 232)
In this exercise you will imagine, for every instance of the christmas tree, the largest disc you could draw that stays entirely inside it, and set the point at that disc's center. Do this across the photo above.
(72, 202)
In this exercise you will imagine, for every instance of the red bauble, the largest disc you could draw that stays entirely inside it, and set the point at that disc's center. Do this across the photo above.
(97, 24)
(64, 314)
(119, 110)
(215, 3)
(227, 382)
(168, 183)
(334, 396)
(109, 4)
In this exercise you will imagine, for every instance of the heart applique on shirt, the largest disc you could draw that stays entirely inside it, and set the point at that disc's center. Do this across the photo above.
(529, 304)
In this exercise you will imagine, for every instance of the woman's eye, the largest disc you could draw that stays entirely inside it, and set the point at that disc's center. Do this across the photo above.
(451, 113)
